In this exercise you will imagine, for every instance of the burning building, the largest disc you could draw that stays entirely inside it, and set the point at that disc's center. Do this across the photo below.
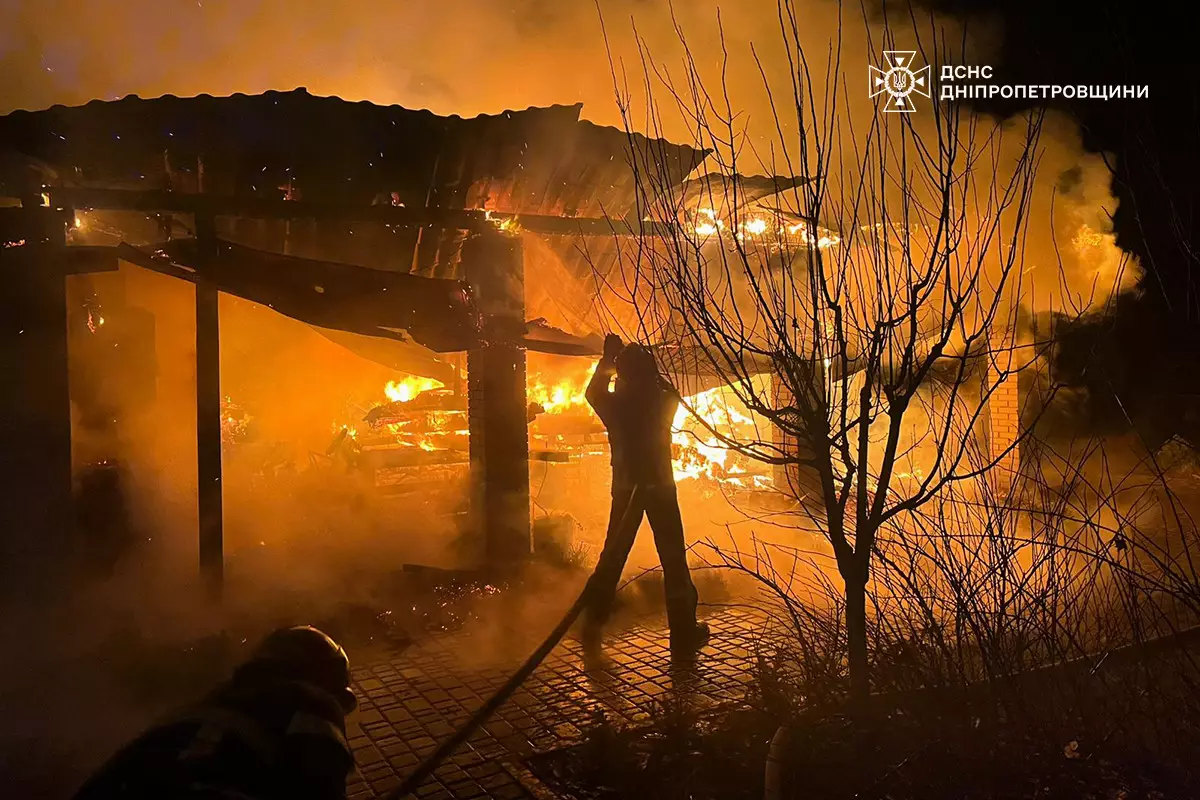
(472, 257)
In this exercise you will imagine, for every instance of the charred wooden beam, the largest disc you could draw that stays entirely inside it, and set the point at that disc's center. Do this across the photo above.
(91, 259)
(133, 255)
(475, 220)
(400, 456)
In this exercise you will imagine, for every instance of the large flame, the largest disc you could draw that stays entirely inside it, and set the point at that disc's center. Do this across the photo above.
(407, 389)
(699, 450)
(696, 431)
(559, 395)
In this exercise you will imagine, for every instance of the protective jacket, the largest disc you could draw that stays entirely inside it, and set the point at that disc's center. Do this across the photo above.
(264, 735)
(638, 421)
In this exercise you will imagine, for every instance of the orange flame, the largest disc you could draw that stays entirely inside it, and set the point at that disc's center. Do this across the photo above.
(562, 395)
(700, 453)
(407, 389)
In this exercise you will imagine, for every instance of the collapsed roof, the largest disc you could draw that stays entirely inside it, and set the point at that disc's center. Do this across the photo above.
(536, 161)
(297, 146)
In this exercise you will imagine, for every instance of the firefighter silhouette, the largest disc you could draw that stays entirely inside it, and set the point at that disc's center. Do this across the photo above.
(275, 729)
(638, 414)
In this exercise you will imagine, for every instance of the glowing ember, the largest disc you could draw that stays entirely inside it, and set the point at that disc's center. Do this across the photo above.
(707, 223)
(1085, 237)
(235, 422)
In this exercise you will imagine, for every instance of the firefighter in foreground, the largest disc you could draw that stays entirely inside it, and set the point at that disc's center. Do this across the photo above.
(276, 729)
(638, 414)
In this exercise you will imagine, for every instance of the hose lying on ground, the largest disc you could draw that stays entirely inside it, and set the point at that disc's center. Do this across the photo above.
(427, 767)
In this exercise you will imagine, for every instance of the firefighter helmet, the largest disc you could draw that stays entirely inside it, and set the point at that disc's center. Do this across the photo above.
(308, 654)
(636, 364)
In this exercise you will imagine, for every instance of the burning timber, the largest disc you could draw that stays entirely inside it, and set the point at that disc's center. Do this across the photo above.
(457, 252)
(427, 427)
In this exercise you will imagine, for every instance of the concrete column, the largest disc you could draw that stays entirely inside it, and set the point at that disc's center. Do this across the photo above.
(36, 518)
(496, 404)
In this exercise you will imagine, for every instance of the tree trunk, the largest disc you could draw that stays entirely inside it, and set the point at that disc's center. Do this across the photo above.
(856, 635)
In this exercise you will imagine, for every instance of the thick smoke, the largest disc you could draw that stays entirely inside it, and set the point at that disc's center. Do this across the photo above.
(460, 57)
(466, 57)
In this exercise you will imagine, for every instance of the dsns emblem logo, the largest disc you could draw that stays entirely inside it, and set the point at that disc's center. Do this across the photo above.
(899, 80)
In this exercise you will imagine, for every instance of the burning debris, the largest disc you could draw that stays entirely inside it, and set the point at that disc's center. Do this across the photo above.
(781, 230)
(425, 424)
(236, 423)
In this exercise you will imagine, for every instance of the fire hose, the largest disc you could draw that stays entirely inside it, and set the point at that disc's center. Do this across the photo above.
(464, 732)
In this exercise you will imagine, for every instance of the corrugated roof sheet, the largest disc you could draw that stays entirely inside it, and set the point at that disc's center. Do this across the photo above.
(540, 160)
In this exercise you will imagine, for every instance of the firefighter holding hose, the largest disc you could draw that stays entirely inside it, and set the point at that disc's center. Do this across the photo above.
(638, 414)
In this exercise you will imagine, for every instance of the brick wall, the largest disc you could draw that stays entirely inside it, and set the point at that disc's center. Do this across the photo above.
(1004, 426)
(496, 401)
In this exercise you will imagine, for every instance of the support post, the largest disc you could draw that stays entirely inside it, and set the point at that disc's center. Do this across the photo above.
(208, 415)
(35, 404)
(1003, 411)
(496, 392)
(1004, 428)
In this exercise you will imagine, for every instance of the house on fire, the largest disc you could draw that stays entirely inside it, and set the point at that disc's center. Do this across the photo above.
(388, 228)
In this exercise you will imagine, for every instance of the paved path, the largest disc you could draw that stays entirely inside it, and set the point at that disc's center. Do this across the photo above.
(410, 702)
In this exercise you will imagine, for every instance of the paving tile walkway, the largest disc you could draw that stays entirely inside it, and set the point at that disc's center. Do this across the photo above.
(409, 703)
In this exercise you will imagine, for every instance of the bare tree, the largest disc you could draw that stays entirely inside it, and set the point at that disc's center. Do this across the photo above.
(877, 296)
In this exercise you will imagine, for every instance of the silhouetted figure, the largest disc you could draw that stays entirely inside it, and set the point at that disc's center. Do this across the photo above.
(276, 729)
(638, 414)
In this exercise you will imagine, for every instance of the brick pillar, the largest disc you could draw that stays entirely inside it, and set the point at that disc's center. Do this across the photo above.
(35, 405)
(1003, 429)
(496, 404)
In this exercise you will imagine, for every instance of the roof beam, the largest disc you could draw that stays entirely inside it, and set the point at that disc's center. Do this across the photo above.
(267, 208)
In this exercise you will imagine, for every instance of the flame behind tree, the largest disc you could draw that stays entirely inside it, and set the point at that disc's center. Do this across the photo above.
(881, 296)
(557, 384)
